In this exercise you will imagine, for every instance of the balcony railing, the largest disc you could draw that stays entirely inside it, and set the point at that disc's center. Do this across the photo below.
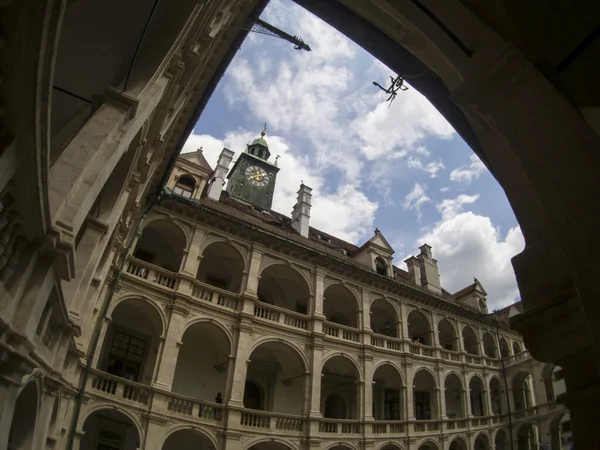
(281, 315)
(391, 427)
(341, 332)
(193, 407)
(120, 389)
(473, 359)
(339, 426)
(154, 274)
(514, 359)
(456, 424)
(422, 350)
(450, 355)
(426, 426)
(386, 342)
(272, 421)
(216, 296)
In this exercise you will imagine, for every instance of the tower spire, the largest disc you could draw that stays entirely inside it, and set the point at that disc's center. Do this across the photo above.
(264, 131)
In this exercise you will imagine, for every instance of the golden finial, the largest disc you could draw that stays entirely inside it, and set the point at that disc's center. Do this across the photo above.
(264, 131)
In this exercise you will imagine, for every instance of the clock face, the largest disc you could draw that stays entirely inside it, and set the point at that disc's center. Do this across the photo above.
(257, 176)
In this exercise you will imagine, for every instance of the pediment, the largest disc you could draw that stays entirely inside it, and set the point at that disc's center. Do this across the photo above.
(196, 158)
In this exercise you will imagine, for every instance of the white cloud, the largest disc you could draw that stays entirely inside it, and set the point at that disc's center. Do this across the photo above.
(434, 167)
(423, 151)
(467, 245)
(333, 212)
(470, 172)
(415, 199)
(444, 189)
(450, 207)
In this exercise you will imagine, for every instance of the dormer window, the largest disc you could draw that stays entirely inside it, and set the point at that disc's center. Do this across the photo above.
(185, 186)
(483, 306)
(381, 266)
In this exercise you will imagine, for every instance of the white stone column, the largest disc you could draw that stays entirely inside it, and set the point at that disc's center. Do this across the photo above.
(193, 257)
(155, 434)
(240, 363)
(104, 324)
(369, 371)
(313, 392)
(168, 361)
(410, 405)
(318, 300)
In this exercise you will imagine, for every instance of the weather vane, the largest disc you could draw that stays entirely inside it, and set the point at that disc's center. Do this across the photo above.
(397, 84)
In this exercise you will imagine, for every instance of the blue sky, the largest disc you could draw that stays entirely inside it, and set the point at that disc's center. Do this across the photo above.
(401, 168)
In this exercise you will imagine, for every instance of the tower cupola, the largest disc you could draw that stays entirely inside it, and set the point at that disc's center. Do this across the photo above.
(259, 146)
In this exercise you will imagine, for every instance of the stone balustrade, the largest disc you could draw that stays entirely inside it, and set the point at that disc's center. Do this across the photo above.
(386, 342)
(342, 332)
(118, 389)
(281, 316)
(220, 297)
(154, 274)
(516, 359)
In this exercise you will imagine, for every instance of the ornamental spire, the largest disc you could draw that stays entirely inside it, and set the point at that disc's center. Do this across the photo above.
(264, 131)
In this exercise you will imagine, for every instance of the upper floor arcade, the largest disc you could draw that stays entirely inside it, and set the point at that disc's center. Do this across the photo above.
(218, 269)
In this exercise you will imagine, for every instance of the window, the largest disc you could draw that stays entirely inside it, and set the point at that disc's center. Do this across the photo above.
(109, 441)
(422, 407)
(483, 306)
(558, 375)
(126, 355)
(380, 266)
(566, 426)
(185, 186)
(391, 404)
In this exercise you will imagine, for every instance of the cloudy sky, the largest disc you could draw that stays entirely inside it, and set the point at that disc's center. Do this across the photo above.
(401, 168)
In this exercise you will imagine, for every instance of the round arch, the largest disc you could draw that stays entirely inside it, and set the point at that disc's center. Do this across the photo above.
(497, 399)
(183, 437)
(275, 377)
(458, 443)
(425, 394)
(470, 340)
(454, 393)
(504, 348)
(501, 440)
(285, 286)
(222, 240)
(428, 444)
(387, 393)
(447, 335)
(182, 228)
(340, 305)
(384, 317)
(149, 305)
(25, 416)
(339, 393)
(477, 394)
(516, 347)
(350, 358)
(90, 421)
(391, 445)
(419, 327)
(341, 446)
(162, 243)
(208, 320)
(489, 345)
(482, 441)
(428, 371)
(291, 266)
(203, 358)
(392, 364)
(289, 344)
(222, 265)
(272, 443)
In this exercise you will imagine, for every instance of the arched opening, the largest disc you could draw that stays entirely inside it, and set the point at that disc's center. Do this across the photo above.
(162, 243)
(560, 431)
(522, 389)
(22, 428)
(254, 397)
(516, 348)
(284, 287)
(132, 340)
(425, 397)
(340, 305)
(477, 393)
(548, 380)
(458, 443)
(187, 440)
(335, 407)
(528, 437)
(447, 335)
(340, 377)
(340, 447)
(496, 396)
(470, 341)
(221, 266)
(454, 396)
(504, 348)
(384, 319)
(109, 429)
(202, 362)
(428, 446)
(501, 441)
(387, 393)
(272, 445)
(380, 266)
(419, 330)
(482, 442)
(391, 447)
(185, 186)
(489, 346)
(278, 374)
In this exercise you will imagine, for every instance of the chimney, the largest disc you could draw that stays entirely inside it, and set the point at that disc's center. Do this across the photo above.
(301, 212)
(218, 179)
(430, 275)
(414, 270)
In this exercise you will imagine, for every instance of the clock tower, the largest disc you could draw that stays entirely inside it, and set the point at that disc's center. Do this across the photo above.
(252, 178)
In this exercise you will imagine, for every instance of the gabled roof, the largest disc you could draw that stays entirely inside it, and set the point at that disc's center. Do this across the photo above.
(378, 241)
(470, 289)
(197, 158)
